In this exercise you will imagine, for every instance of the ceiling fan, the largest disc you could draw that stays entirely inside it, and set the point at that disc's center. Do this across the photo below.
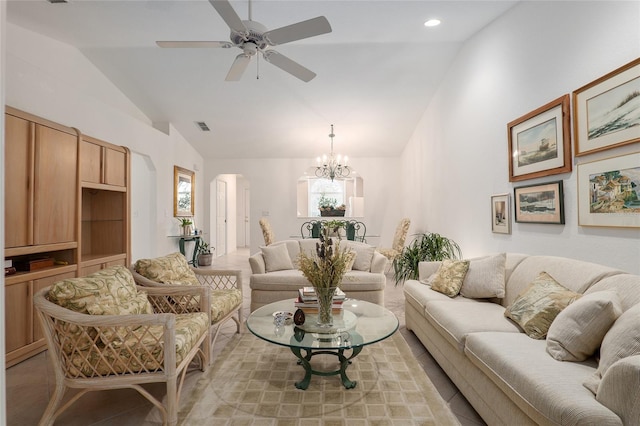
(253, 37)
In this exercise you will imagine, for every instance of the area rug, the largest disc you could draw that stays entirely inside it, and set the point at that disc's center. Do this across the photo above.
(252, 383)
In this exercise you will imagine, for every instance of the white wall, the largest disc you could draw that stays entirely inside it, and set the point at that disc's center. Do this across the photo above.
(273, 191)
(55, 81)
(457, 156)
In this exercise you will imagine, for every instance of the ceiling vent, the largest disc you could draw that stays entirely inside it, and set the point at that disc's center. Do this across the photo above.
(203, 126)
(57, 1)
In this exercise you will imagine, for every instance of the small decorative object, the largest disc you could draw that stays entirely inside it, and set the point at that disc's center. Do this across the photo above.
(329, 207)
(609, 192)
(606, 111)
(298, 333)
(325, 270)
(204, 254)
(500, 214)
(186, 225)
(540, 142)
(298, 317)
(540, 203)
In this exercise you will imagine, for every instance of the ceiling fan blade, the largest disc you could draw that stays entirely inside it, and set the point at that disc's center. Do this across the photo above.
(304, 29)
(229, 15)
(238, 67)
(195, 44)
(286, 64)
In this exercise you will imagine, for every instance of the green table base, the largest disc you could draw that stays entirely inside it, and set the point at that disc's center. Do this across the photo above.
(344, 363)
(197, 239)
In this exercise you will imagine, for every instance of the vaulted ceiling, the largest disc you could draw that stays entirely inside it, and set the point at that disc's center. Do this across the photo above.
(376, 71)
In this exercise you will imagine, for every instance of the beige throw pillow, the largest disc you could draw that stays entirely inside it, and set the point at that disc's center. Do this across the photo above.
(364, 255)
(448, 280)
(621, 341)
(578, 330)
(276, 258)
(538, 305)
(485, 278)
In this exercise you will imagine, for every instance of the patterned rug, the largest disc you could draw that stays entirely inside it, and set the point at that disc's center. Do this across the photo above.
(252, 383)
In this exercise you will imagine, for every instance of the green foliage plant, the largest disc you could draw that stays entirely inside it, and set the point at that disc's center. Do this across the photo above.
(425, 247)
(185, 221)
(204, 248)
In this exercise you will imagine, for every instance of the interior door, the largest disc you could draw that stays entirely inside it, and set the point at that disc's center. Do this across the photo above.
(221, 217)
(247, 215)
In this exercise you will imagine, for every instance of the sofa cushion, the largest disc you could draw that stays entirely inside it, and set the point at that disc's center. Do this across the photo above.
(485, 278)
(276, 258)
(455, 320)
(578, 330)
(171, 269)
(364, 255)
(621, 341)
(537, 306)
(549, 391)
(448, 280)
(613, 391)
(626, 285)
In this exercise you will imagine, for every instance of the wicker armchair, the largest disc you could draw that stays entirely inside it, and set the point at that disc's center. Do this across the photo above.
(225, 286)
(105, 351)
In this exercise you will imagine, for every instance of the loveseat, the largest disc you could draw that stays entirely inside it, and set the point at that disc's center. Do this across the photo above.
(568, 357)
(275, 274)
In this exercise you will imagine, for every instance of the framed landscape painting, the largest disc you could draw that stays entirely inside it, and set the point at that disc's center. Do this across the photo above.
(540, 142)
(609, 192)
(500, 214)
(607, 111)
(541, 203)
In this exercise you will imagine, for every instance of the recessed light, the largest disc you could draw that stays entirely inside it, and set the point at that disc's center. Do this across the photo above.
(432, 23)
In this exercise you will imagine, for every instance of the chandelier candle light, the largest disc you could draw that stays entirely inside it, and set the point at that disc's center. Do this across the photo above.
(334, 166)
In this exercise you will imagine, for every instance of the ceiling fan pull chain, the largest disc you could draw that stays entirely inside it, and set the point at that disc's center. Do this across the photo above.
(257, 67)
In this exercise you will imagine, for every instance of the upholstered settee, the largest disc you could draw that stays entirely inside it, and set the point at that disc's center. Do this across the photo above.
(275, 274)
(103, 332)
(533, 339)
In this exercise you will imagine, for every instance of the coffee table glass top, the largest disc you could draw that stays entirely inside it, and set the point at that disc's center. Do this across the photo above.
(359, 323)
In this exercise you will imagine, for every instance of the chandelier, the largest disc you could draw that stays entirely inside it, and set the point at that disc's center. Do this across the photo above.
(333, 166)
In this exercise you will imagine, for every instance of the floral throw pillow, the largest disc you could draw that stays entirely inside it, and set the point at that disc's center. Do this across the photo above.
(450, 276)
(538, 305)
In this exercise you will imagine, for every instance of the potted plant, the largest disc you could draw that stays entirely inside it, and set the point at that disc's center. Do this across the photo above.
(424, 247)
(204, 254)
(186, 225)
(329, 207)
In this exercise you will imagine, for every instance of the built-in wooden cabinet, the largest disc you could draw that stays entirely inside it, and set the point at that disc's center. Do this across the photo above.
(67, 201)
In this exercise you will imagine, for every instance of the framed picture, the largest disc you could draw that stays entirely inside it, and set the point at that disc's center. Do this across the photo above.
(541, 203)
(184, 184)
(540, 142)
(606, 111)
(500, 214)
(609, 192)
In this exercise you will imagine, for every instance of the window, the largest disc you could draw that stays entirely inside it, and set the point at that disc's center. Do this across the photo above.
(345, 191)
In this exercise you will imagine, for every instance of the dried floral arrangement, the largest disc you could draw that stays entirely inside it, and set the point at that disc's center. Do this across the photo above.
(327, 266)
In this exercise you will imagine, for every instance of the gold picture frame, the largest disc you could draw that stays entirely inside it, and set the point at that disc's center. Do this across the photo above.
(184, 184)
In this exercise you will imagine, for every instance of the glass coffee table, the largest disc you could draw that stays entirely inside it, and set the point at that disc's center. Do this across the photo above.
(357, 325)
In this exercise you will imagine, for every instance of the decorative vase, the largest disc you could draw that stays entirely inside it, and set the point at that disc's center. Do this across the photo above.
(204, 259)
(325, 300)
(187, 230)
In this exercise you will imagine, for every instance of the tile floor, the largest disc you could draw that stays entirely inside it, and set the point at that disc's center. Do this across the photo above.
(30, 383)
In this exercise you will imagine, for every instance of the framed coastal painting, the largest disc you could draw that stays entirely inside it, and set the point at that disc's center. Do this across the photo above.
(606, 112)
(609, 192)
(500, 214)
(540, 141)
(184, 183)
(540, 203)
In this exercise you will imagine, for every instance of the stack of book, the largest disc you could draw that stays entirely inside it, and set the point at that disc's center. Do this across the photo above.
(308, 302)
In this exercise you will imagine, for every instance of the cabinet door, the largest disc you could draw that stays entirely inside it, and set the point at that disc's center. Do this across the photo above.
(18, 311)
(91, 162)
(56, 165)
(115, 167)
(18, 170)
(37, 286)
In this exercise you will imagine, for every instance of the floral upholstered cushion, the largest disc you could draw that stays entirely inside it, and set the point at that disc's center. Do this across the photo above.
(223, 302)
(135, 350)
(450, 276)
(170, 269)
(538, 305)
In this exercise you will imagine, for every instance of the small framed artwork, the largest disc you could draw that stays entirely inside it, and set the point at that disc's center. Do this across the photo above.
(540, 142)
(540, 203)
(500, 214)
(184, 184)
(606, 111)
(609, 192)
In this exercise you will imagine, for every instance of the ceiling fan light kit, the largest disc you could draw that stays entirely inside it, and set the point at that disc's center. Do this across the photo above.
(253, 37)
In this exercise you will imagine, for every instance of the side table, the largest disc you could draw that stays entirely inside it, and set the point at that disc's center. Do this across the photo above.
(197, 239)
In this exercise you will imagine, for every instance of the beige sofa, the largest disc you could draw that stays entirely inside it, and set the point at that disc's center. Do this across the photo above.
(275, 275)
(511, 378)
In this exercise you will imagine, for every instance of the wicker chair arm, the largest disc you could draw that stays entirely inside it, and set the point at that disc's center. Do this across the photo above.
(219, 279)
